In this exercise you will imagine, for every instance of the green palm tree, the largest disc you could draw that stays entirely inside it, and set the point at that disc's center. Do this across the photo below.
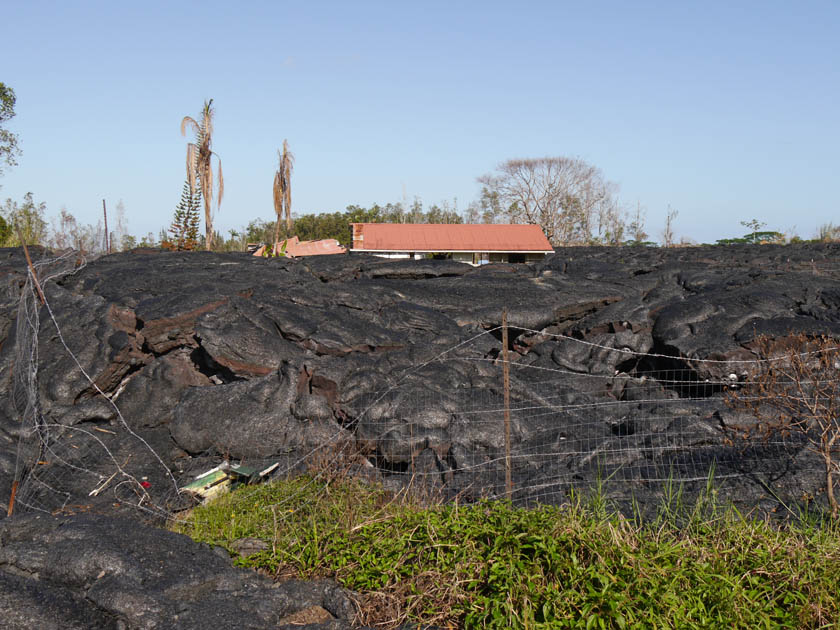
(283, 189)
(199, 167)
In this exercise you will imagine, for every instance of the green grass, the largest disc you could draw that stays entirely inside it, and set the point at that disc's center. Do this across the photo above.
(492, 565)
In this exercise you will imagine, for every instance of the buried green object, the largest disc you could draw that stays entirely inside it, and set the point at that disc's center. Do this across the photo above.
(223, 478)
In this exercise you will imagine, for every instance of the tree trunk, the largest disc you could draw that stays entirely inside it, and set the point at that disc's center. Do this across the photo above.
(208, 225)
(276, 231)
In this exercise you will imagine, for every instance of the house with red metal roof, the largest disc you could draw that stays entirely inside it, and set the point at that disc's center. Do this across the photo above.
(476, 244)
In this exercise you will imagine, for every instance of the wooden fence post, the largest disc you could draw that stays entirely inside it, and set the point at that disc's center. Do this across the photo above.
(107, 236)
(506, 373)
(31, 267)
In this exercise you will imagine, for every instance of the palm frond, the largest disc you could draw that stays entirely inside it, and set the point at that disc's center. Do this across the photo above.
(287, 161)
(277, 190)
(221, 184)
(199, 167)
(287, 202)
(188, 122)
(206, 176)
(191, 155)
(207, 118)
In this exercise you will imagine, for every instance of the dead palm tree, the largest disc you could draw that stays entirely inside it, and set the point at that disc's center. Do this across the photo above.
(199, 168)
(283, 189)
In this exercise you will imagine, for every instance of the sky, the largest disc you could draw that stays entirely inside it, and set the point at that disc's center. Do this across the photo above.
(724, 112)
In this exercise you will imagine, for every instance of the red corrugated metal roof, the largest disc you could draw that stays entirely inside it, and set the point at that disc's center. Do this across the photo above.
(469, 237)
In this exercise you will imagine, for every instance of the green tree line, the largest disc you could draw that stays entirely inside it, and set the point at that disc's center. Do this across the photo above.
(62, 231)
(337, 225)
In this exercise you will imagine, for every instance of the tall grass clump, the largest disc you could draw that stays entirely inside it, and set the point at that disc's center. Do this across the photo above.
(494, 565)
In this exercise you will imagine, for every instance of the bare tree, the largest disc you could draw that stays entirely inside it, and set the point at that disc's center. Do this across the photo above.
(611, 224)
(797, 391)
(473, 213)
(67, 233)
(668, 232)
(486, 209)
(637, 225)
(199, 167)
(120, 230)
(565, 196)
(828, 232)
(283, 189)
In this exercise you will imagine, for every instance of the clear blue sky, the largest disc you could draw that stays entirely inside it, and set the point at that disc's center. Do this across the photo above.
(726, 111)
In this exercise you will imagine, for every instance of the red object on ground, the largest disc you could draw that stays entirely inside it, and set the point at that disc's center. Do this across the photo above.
(295, 247)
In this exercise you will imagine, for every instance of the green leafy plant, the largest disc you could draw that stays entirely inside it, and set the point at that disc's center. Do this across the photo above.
(9, 148)
(24, 220)
(184, 227)
(275, 251)
(757, 235)
(493, 565)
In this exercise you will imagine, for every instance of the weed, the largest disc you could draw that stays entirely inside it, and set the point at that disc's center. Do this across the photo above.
(493, 565)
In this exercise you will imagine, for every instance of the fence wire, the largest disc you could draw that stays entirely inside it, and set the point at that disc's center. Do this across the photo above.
(56, 459)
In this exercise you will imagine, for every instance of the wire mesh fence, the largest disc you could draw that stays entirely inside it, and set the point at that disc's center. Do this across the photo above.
(564, 440)
(56, 458)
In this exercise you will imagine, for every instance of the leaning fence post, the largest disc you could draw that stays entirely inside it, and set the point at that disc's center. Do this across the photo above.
(506, 373)
(11, 508)
(31, 267)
